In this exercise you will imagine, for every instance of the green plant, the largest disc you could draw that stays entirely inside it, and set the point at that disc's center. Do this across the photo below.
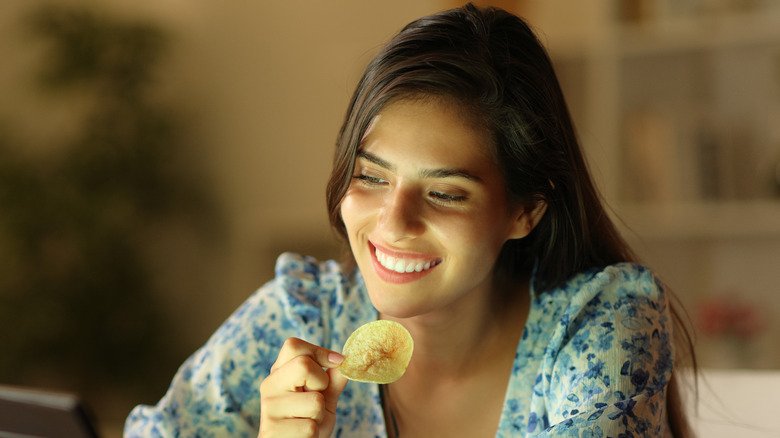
(78, 305)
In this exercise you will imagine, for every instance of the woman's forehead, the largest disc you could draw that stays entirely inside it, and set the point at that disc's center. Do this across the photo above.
(435, 131)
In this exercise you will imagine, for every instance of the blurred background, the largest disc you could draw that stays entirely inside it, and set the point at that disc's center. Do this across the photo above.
(156, 157)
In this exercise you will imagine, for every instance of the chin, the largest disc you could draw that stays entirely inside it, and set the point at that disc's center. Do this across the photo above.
(395, 304)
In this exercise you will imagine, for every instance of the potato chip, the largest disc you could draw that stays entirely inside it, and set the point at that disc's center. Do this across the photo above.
(377, 352)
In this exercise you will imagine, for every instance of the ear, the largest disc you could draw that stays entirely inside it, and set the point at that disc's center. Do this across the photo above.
(526, 220)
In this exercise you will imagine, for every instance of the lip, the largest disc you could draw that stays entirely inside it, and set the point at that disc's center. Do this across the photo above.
(394, 277)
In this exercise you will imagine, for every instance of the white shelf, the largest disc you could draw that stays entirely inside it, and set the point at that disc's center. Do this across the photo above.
(701, 220)
(595, 65)
(715, 72)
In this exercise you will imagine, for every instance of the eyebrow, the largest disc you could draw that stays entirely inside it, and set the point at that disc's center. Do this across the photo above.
(425, 173)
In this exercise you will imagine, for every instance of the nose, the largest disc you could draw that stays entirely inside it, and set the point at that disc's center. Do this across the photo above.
(400, 217)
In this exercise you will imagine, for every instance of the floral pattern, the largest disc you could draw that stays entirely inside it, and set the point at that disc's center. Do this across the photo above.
(593, 361)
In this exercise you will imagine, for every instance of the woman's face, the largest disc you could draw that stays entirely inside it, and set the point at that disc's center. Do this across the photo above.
(427, 212)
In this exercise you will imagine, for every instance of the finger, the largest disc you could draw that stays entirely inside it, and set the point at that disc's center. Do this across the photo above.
(294, 347)
(296, 427)
(299, 373)
(334, 390)
(289, 405)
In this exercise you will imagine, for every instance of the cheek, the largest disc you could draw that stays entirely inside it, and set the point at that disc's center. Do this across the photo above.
(347, 213)
(479, 237)
(356, 209)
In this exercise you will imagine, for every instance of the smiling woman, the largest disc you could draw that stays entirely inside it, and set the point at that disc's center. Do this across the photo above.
(472, 220)
(427, 191)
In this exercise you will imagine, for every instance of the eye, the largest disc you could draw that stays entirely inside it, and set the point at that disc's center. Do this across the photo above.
(369, 180)
(446, 198)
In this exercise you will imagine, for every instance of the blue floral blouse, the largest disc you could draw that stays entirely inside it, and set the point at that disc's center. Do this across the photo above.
(593, 361)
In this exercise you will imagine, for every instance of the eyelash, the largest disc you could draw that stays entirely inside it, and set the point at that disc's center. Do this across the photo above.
(369, 180)
(440, 197)
(445, 198)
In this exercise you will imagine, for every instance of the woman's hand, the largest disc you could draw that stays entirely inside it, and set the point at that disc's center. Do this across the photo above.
(299, 396)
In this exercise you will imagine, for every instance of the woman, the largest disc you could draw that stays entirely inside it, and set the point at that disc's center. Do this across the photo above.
(460, 186)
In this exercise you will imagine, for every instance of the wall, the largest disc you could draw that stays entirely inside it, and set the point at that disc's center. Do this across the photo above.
(262, 88)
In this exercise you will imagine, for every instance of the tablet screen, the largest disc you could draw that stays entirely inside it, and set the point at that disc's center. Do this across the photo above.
(27, 413)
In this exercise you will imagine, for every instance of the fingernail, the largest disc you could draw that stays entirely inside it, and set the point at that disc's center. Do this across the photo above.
(335, 358)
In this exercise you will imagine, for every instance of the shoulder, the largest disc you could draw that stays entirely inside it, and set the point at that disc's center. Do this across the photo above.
(618, 288)
(611, 342)
(614, 281)
(294, 303)
(318, 301)
(306, 279)
(616, 317)
(301, 293)
(624, 300)
(290, 264)
(215, 392)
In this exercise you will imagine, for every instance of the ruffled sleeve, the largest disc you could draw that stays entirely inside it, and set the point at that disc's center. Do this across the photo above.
(216, 391)
(610, 359)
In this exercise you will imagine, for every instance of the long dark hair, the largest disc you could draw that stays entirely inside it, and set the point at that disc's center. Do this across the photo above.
(491, 63)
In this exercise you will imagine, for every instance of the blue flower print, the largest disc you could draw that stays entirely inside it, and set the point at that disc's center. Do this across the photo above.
(593, 360)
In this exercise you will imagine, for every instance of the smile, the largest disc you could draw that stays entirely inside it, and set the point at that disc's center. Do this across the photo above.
(394, 267)
(403, 265)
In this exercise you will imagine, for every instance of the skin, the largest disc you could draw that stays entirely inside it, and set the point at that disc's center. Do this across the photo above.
(426, 187)
(299, 396)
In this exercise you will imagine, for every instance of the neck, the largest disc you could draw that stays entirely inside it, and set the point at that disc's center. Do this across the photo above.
(466, 348)
(450, 341)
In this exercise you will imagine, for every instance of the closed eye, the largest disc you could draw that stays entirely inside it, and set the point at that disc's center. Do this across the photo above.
(447, 198)
(369, 180)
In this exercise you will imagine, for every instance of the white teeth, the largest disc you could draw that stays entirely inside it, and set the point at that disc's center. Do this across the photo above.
(401, 265)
